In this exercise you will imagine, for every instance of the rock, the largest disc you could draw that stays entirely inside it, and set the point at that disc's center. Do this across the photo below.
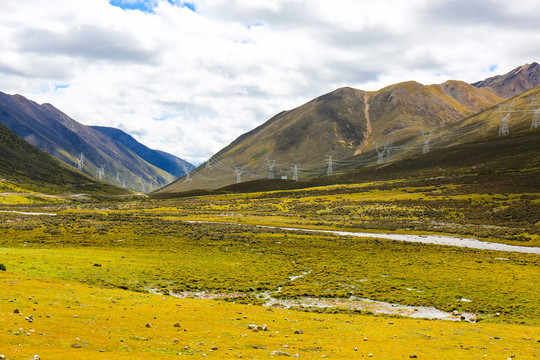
(262, 327)
(279, 353)
(2, 356)
(252, 326)
(214, 348)
(186, 347)
(455, 313)
(255, 330)
(176, 341)
(76, 346)
(413, 357)
(177, 325)
(148, 325)
(16, 311)
(36, 357)
(298, 331)
(355, 349)
(365, 338)
(512, 356)
(370, 355)
(101, 350)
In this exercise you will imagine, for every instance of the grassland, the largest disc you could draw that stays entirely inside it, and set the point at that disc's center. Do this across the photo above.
(108, 260)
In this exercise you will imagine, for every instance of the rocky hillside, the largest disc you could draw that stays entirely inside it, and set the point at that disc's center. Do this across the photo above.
(513, 83)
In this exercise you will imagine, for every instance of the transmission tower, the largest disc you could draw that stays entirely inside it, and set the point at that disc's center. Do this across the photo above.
(536, 119)
(238, 171)
(295, 171)
(503, 128)
(426, 135)
(329, 170)
(380, 153)
(80, 162)
(101, 172)
(504, 112)
(388, 149)
(271, 164)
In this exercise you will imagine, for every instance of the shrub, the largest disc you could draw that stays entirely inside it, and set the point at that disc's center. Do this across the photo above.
(2, 267)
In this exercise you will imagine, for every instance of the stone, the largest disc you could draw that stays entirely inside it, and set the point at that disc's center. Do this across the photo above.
(365, 338)
(280, 353)
(36, 357)
(148, 325)
(2, 356)
(214, 348)
(455, 313)
(176, 341)
(252, 326)
(186, 347)
(76, 346)
(298, 331)
(177, 325)
(16, 311)
(413, 357)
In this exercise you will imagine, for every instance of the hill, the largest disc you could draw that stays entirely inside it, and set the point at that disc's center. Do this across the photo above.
(25, 167)
(513, 83)
(160, 159)
(53, 131)
(343, 124)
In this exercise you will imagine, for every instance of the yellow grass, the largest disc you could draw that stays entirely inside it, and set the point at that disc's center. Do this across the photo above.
(111, 324)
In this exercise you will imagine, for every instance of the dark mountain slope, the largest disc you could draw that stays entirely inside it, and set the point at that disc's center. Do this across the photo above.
(32, 168)
(53, 131)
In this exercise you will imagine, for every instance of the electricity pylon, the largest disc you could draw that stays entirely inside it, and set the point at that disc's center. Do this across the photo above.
(426, 135)
(503, 128)
(380, 153)
(295, 172)
(80, 162)
(330, 169)
(388, 149)
(101, 172)
(271, 164)
(238, 171)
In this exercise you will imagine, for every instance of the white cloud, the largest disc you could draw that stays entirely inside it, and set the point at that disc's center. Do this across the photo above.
(190, 82)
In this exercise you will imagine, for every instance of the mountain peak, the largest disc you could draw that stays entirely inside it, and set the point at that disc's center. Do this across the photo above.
(513, 83)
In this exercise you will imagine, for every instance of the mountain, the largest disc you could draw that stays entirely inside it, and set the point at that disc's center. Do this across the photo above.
(53, 131)
(513, 83)
(26, 166)
(342, 124)
(167, 162)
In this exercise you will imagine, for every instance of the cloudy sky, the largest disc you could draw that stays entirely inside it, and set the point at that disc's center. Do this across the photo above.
(188, 78)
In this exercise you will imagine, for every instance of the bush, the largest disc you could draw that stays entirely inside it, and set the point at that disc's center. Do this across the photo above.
(2, 267)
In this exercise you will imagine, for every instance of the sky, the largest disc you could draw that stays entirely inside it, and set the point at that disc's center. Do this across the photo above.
(190, 77)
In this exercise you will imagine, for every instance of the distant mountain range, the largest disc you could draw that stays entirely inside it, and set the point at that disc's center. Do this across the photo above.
(514, 83)
(33, 169)
(349, 128)
(165, 161)
(96, 154)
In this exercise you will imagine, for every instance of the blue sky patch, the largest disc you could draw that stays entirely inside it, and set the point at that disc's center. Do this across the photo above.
(493, 67)
(61, 86)
(147, 6)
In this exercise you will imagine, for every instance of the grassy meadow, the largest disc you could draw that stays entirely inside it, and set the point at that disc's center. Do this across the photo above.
(93, 276)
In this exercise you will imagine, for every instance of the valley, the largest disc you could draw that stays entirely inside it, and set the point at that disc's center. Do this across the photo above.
(218, 263)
